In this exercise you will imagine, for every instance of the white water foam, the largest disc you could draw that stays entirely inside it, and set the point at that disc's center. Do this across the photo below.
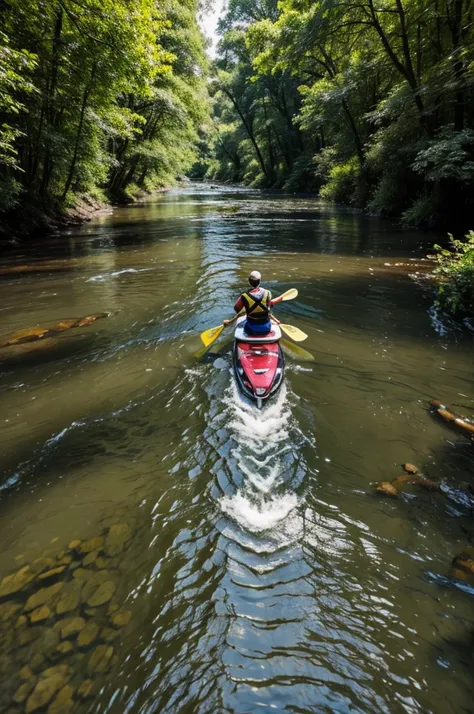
(115, 273)
(261, 440)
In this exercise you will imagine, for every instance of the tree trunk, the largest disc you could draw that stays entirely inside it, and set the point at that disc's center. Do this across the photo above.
(85, 97)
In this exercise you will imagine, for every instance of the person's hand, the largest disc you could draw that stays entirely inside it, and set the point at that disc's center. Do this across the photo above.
(227, 322)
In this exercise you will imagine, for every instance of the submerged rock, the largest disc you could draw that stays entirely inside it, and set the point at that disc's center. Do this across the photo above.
(64, 648)
(100, 660)
(102, 594)
(410, 469)
(108, 634)
(27, 335)
(90, 545)
(89, 319)
(8, 610)
(70, 626)
(41, 564)
(50, 574)
(428, 484)
(462, 566)
(91, 558)
(23, 691)
(21, 622)
(101, 562)
(93, 581)
(70, 596)
(43, 596)
(50, 682)
(11, 584)
(121, 618)
(74, 544)
(387, 488)
(26, 673)
(40, 614)
(63, 702)
(88, 634)
(86, 688)
(28, 635)
(117, 537)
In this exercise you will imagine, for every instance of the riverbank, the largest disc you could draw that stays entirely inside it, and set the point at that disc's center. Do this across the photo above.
(31, 221)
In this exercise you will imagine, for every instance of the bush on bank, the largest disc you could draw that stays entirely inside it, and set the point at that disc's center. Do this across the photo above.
(455, 273)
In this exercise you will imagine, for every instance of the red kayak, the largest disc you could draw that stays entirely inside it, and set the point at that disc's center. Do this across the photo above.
(259, 364)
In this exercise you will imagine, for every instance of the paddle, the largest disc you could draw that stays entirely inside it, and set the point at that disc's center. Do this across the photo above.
(294, 332)
(208, 336)
(296, 352)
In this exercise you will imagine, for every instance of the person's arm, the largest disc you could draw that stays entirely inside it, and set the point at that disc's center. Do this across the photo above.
(239, 305)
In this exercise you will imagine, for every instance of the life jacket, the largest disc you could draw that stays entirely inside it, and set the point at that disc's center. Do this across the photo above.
(257, 308)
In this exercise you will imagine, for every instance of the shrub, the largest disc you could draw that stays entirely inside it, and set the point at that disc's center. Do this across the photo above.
(341, 185)
(456, 276)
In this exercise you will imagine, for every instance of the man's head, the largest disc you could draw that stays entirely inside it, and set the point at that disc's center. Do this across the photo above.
(255, 278)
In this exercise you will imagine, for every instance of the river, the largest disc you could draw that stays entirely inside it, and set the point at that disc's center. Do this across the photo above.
(254, 565)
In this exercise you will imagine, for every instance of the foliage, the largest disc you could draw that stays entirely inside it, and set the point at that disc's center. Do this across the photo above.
(102, 96)
(456, 276)
(387, 88)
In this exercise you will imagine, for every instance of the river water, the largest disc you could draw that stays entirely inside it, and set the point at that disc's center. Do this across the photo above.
(261, 569)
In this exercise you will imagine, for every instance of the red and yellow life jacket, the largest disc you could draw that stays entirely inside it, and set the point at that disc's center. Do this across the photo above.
(257, 308)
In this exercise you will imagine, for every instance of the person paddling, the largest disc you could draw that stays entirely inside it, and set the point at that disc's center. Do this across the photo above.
(257, 303)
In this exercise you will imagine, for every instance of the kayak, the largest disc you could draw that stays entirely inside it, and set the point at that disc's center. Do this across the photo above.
(259, 364)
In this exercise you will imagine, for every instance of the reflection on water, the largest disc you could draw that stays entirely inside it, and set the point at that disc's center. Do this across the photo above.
(249, 560)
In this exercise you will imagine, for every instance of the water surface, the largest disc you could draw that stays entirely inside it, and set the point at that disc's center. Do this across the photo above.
(263, 572)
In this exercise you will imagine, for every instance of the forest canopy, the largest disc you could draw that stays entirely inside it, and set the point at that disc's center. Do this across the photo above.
(370, 103)
(98, 98)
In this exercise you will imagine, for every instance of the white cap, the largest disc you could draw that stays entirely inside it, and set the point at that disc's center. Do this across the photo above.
(255, 275)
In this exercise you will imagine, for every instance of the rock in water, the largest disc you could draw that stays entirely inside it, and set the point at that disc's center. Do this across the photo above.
(102, 595)
(108, 634)
(70, 596)
(23, 691)
(89, 319)
(410, 469)
(93, 583)
(50, 682)
(91, 558)
(89, 545)
(74, 544)
(429, 484)
(13, 583)
(85, 690)
(50, 574)
(387, 488)
(116, 539)
(100, 658)
(88, 634)
(41, 613)
(64, 648)
(41, 564)
(43, 596)
(446, 415)
(121, 618)
(70, 626)
(28, 335)
(26, 673)
(63, 703)
(8, 610)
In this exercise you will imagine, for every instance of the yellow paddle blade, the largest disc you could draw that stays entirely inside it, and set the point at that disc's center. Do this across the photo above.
(208, 336)
(294, 332)
(290, 294)
(296, 352)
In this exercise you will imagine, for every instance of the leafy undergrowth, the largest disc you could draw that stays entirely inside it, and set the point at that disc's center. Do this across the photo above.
(455, 273)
